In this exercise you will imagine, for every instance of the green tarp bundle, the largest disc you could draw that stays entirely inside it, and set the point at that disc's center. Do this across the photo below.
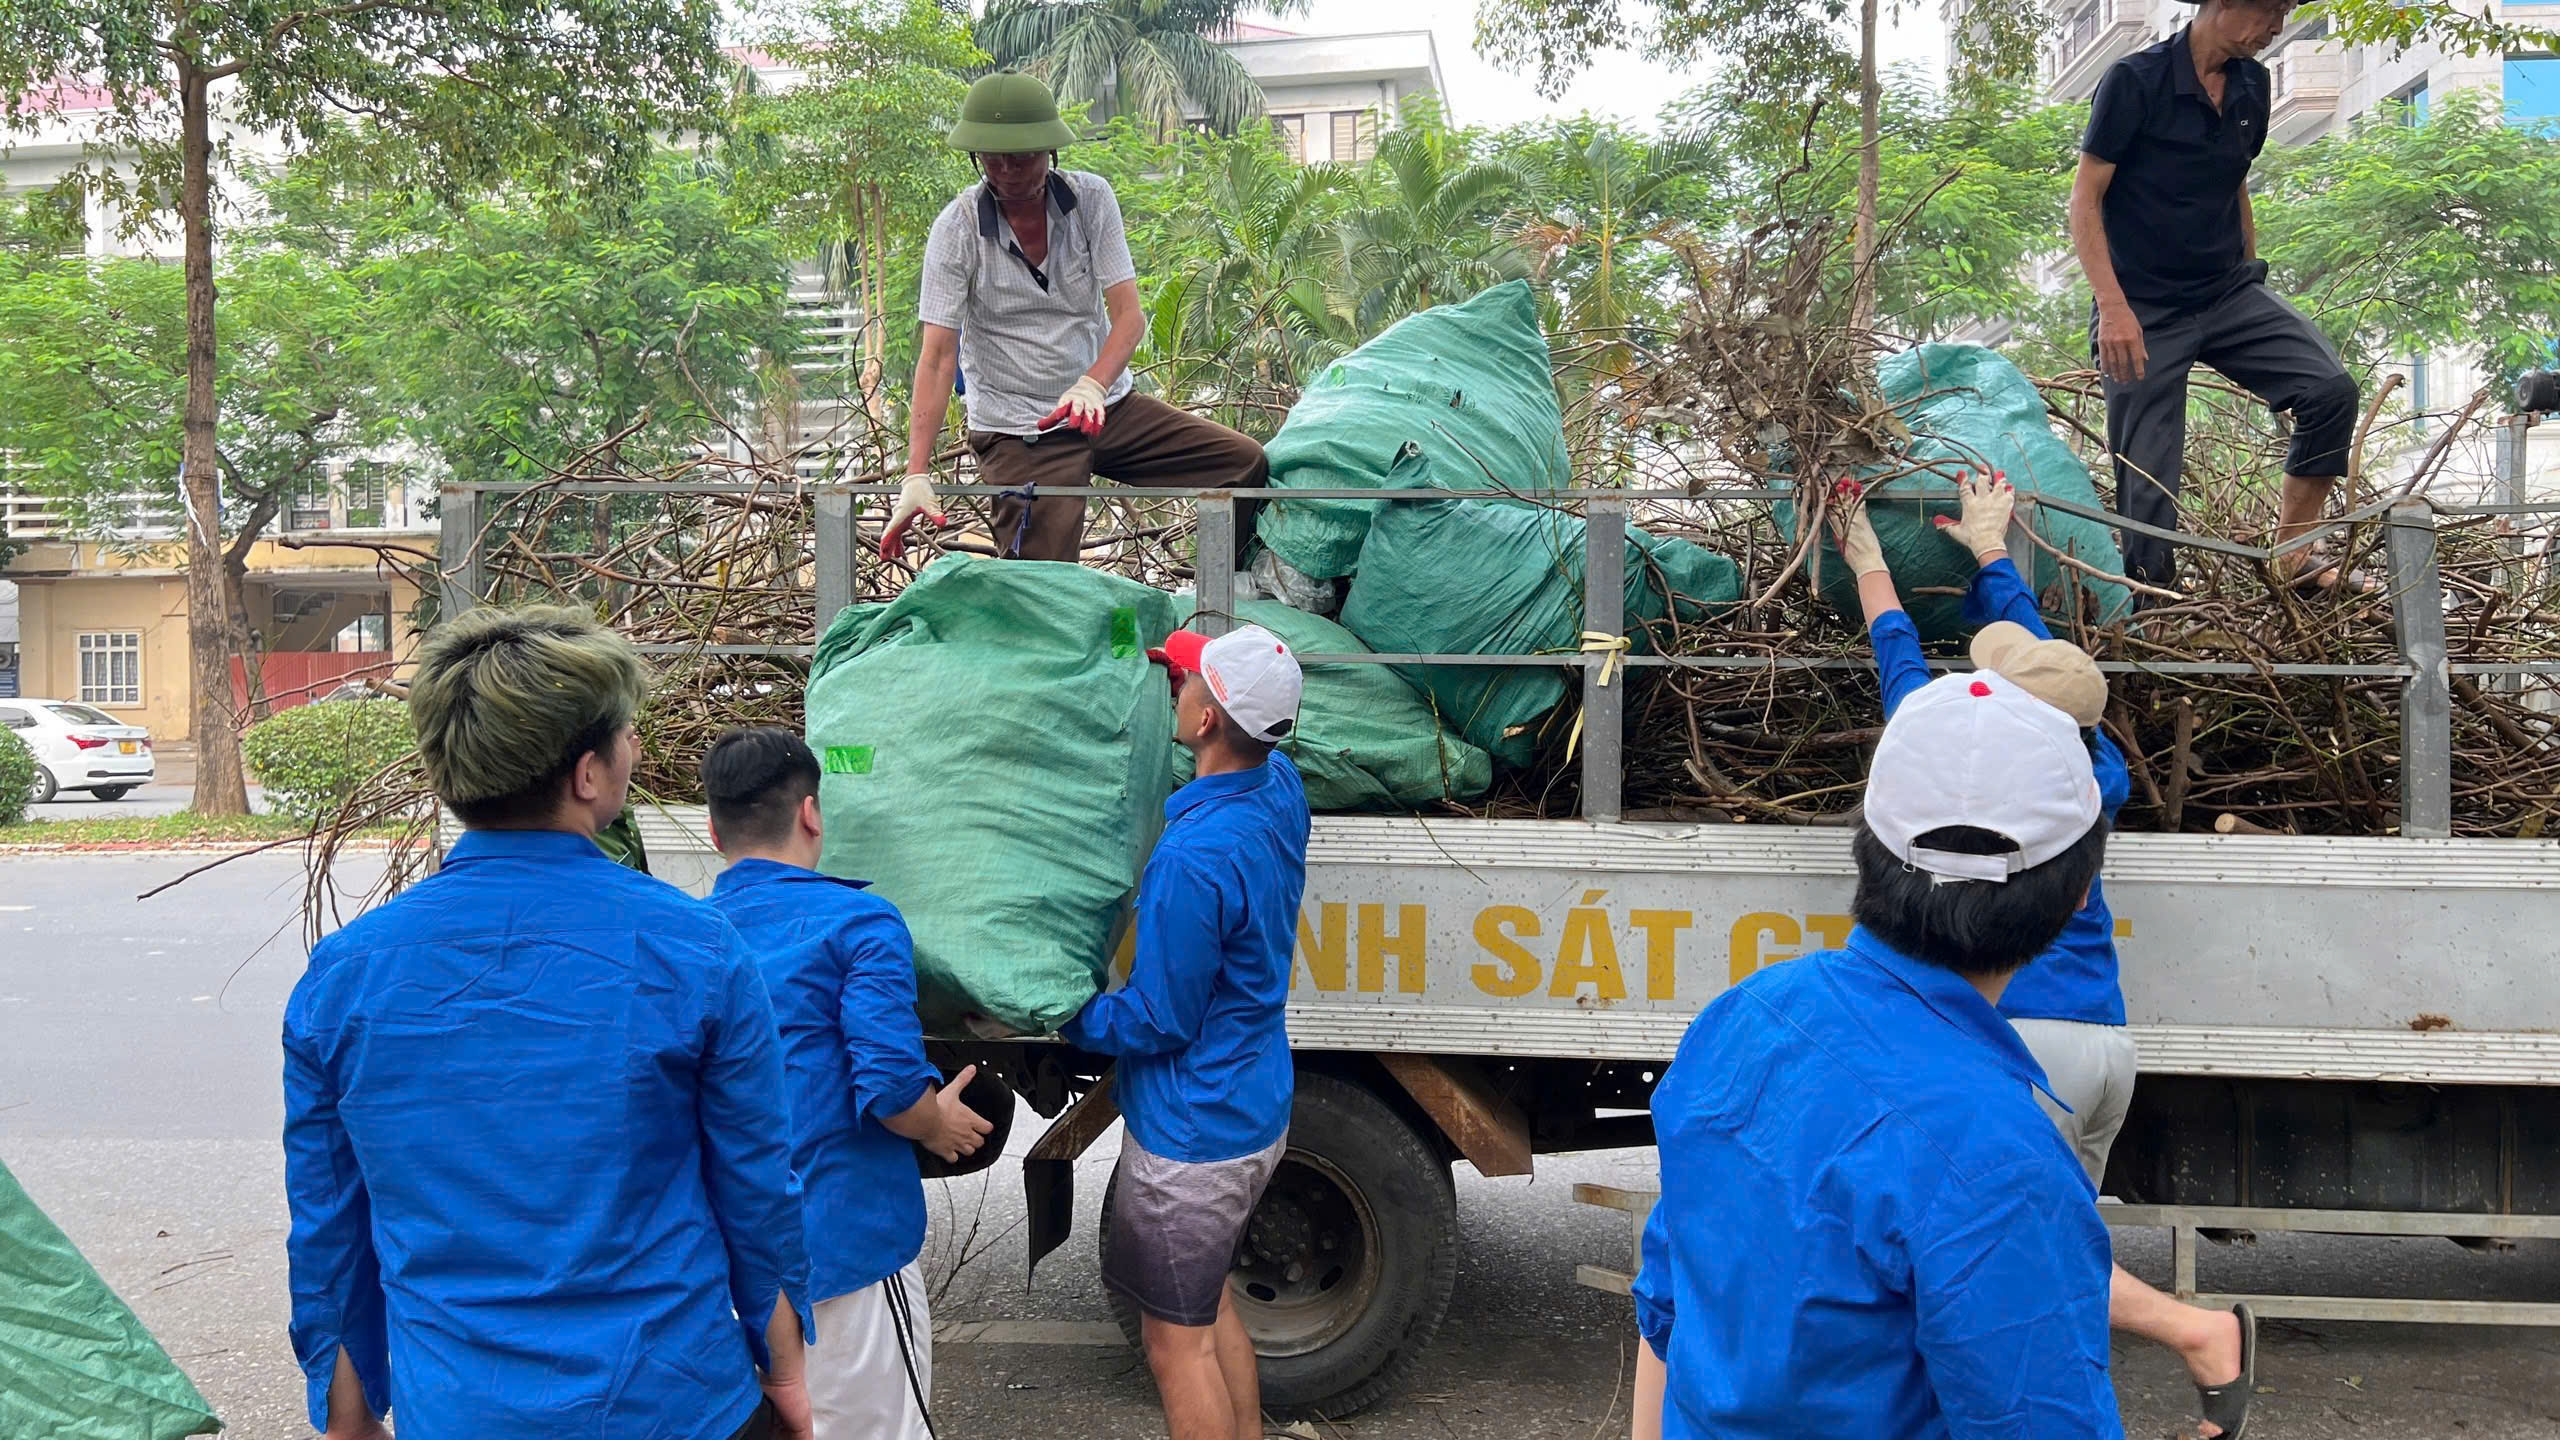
(997, 750)
(1458, 397)
(1365, 740)
(1465, 577)
(1967, 408)
(74, 1362)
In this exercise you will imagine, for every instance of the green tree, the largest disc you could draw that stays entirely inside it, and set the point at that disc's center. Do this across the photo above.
(516, 335)
(1257, 312)
(572, 89)
(851, 165)
(1971, 185)
(1156, 61)
(2468, 209)
(1604, 209)
(93, 391)
(1781, 50)
(1426, 234)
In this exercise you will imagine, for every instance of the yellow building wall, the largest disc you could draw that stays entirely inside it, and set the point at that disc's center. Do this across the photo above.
(100, 589)
(52, 615)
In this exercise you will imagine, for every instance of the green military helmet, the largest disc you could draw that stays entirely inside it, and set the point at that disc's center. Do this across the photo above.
(1010, 113)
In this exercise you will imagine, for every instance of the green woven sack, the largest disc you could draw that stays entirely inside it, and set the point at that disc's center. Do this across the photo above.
(1967, 408)
(1459, 397)
(1464, 577)
(997, 751)
(1365, 740)
(74, 1362)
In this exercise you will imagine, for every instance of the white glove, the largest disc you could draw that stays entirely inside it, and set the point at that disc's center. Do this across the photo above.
(1080, 407)
(1988, 503)
(1854, 533)
(915, 498)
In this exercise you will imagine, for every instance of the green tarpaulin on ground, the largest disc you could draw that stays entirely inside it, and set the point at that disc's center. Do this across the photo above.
(74, 1362)
(1458, 397)
(997, 750)
(1465, 577)
(1967, 408)
(1365, 740)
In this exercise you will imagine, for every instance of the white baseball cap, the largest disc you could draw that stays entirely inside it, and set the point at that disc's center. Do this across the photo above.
(1978, 750)
(1254, 676)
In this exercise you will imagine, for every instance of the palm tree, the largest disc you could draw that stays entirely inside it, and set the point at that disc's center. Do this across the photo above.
(1606, 213)
(1155, 61)
(1427, 239)
(1259, 308)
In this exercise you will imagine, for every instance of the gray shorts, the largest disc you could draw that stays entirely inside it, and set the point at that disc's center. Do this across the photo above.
(2091, 1068)
(1175, 1227)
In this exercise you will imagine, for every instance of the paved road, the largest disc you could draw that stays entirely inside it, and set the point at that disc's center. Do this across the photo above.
(138, 1103)
(171, 790)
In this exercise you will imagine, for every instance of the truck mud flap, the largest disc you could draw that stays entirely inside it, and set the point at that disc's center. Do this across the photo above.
(1049, 1171)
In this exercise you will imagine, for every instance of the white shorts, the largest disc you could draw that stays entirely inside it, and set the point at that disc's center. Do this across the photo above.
(2091, 1068)
(859, 1387)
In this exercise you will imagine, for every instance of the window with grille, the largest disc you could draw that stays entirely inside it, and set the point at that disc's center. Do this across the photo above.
(110, 667)
(367, 487)
(1292, 130)
(1355, 136)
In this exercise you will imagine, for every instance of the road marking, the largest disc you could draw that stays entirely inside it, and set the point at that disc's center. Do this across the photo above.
(1098, 1334)
(15, 909)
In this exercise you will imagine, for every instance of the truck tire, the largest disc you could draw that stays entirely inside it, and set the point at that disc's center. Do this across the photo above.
(1345, 1270)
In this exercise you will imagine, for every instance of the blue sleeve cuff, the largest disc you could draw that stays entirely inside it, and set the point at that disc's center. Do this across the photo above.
(898, 1100)
(757, 1349)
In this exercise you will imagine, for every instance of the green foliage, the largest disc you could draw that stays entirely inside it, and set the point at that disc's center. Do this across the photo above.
(1426, 234)
(17, 778)
(1777, 50)
(1151, 60)
(574, 91)
(860, 141)
(1971, 186)
(93, 379)
(313, 757)
(516, 333)
(2409, 237)
(2398, 25)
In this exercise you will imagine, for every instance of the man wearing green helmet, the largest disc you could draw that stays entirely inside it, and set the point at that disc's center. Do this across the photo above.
(1029, 290)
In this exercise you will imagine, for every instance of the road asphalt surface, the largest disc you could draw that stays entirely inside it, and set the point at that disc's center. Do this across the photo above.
(139, 1104)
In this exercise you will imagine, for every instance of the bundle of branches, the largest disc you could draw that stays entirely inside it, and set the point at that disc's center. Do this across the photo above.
(1775, 715)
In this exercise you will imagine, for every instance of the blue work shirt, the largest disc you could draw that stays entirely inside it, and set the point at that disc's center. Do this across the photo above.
(2075, 978)
(1199, 1030)
(1867, 1226)
(537, 1153)
(842, 972)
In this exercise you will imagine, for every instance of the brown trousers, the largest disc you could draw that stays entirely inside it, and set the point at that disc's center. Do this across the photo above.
(1143, 442)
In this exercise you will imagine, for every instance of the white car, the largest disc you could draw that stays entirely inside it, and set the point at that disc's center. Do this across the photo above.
(80, 747)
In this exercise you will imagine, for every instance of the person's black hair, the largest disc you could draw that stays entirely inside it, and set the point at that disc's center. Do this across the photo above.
(755, 778)
(1974, 927)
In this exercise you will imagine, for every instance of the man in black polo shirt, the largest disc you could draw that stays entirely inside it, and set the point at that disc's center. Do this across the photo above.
(2160, 217)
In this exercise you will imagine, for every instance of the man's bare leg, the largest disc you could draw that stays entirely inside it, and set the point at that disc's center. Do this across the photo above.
(1197, 1405)
(2304, 497)
(1242, 1371)
(2208, 1340)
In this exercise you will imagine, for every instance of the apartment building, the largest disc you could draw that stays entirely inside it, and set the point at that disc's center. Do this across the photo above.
(1329, 96)
(2320, 87)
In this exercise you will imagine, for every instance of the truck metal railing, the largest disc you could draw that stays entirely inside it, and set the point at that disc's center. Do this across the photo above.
(2423, 669)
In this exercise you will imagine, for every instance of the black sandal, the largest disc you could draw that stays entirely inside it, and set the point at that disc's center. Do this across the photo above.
(2226, 1407)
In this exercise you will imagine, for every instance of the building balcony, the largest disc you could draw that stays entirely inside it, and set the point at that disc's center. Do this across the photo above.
(2306, 76)
(2089, 40)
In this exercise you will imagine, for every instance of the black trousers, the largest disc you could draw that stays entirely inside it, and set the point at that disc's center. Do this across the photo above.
(2259, 342)
(759, 1425)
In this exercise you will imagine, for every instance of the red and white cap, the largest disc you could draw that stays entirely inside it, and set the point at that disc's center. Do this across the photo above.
(1254, 676)
(1977, 750)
